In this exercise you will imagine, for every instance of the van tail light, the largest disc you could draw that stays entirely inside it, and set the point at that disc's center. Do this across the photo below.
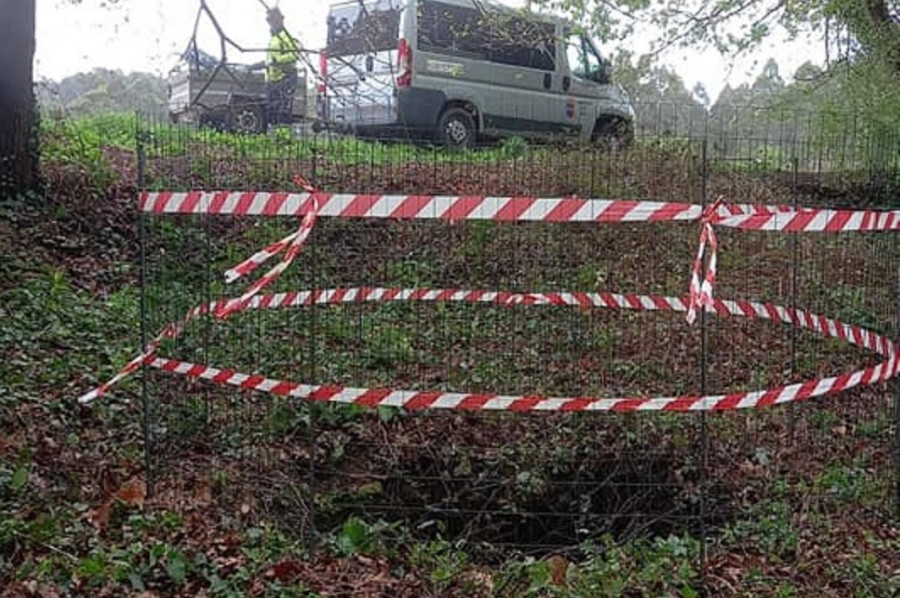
(404, 63)
(323, 70)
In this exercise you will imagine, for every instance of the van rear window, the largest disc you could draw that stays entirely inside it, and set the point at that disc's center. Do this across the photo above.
(487, 35)
(363, 28)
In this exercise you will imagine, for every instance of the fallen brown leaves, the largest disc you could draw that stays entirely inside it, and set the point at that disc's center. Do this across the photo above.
(131, 494)
(355, 576)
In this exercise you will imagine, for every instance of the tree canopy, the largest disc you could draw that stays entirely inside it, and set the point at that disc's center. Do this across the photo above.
(859, 38)
(849, 27)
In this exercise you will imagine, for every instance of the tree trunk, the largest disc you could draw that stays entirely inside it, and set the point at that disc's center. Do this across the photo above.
(885, 24)
(18, 141)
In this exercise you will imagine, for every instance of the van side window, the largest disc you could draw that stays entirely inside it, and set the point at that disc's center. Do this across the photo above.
(493, 36)
(519, 42)
(452, 29)
(359, 31)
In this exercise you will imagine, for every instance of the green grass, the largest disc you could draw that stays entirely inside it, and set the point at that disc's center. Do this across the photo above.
(768, 528)
(82, 139)
(54, 332)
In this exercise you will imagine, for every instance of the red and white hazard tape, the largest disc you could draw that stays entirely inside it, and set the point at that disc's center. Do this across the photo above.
(701, 293)
(172, 331)
(410, 399)
(313, 203)
(815, 221)
(415, 399)
(444, 207)
(826, 327)
(258, 259)
(521, 209)
(293, 244)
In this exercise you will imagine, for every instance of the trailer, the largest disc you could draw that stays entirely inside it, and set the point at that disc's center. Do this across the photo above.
(227, 96)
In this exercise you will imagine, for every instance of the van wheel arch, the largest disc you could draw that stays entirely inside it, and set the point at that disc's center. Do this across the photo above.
(612, 132)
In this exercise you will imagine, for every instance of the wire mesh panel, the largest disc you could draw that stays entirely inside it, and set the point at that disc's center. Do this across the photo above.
(461, 309)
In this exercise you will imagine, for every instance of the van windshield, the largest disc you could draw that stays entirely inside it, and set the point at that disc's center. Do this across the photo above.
(363, 28)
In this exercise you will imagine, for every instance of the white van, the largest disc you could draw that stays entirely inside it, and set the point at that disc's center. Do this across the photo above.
(460, 69)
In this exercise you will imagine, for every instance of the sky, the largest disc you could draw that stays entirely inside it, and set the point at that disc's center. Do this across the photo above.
(148, 35)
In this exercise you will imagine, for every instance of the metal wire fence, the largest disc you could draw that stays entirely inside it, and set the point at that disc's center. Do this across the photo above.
(502, 481)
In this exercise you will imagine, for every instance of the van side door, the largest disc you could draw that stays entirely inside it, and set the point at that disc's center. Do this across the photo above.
(524, 55)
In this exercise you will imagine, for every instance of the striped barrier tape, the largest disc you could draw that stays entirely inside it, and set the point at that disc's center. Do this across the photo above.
(410, 399)
(172, 331)
(454, 208)
(824, 326)
(701, 294)
(292, 245)
(416, 400)
(815, 221)
(313, 203)
(517, 208)
(258, 259)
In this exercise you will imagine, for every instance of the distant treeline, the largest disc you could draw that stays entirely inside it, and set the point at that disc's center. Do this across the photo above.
(102, 91)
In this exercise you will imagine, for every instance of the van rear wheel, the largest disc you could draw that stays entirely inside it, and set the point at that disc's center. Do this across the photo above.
(456, 129)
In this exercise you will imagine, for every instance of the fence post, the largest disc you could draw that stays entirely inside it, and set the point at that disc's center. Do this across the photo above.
(897, 448)
(704, 350)
(795, 267)
(312, 440)
(208, 317)
(896, 383)
(142, 226)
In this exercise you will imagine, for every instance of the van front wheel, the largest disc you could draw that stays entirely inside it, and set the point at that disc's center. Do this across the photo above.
(456, 129)
(612, 134)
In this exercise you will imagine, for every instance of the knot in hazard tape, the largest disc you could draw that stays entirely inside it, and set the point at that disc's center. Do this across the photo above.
(291, 245)
(701, 293)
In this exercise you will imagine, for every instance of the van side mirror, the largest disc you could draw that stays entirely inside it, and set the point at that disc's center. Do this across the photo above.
(601, 73)
(606, 72)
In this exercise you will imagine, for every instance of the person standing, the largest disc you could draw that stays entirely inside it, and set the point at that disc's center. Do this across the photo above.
(281, 70)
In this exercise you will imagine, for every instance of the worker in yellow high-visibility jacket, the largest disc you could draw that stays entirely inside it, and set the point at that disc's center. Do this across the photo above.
(281, 70)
